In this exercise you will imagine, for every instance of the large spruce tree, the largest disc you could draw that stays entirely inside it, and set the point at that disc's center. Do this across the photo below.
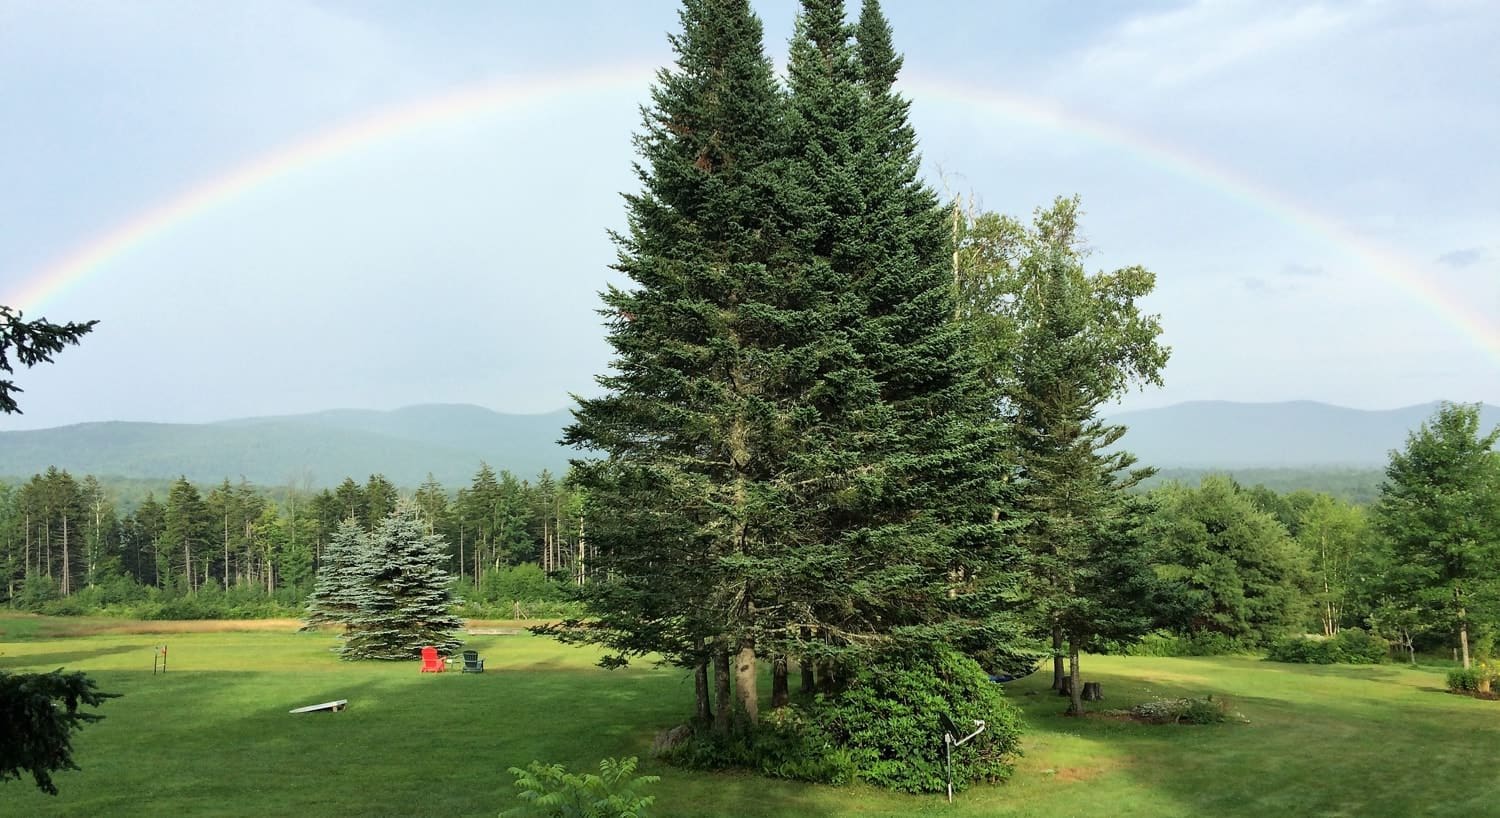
(909, 469)
(799, 459)
(403, 602)
(687, 518)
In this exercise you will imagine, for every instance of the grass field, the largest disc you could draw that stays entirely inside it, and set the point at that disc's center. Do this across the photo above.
(212, 737)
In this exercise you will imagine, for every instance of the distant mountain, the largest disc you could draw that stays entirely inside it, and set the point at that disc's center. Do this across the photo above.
(1341, 445)
(1297, 434)
(405, 445)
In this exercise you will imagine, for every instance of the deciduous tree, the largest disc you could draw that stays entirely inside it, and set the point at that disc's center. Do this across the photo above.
(1439, 518)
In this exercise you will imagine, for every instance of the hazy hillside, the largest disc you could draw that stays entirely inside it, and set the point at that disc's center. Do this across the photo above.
(1299, 434)
(406, 444)
(1285, 445)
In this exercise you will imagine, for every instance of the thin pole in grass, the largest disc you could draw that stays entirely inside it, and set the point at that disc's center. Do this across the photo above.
(948, 744)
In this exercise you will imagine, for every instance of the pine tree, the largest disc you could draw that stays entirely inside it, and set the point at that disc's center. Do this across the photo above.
(30, 343)
(380, 498)
(186, 533)
(696, 415)
(403, 602)
(909, 462)
(341, 577)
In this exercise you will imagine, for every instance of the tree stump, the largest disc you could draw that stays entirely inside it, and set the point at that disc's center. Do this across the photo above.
(1092, 692)
(1066, 688)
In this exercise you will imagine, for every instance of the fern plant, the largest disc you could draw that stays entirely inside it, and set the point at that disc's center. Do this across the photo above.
(550, 791)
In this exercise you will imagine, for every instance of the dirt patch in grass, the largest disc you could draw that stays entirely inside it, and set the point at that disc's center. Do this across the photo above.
(94, 626)
(1474, 694)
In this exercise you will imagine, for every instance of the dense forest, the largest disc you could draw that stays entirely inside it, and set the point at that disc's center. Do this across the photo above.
(69, 545)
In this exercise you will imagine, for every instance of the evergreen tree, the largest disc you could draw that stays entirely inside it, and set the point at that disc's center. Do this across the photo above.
(29, 343)
(432, 500)
(351, 502)
(341, 577)
(692, 418)
(403, 602)
(908, 458)
(185, 533)
(380, 498)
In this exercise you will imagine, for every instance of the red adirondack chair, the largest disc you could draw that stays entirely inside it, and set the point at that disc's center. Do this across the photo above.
(431, 661)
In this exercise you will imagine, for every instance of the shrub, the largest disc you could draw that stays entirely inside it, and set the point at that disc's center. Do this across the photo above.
(893, 715)
(550, 791)
(1470, 681)
(787, 743)
(36, 591)
(1204, 643)
(1360, 648)
(1351, 646)
(519, 583)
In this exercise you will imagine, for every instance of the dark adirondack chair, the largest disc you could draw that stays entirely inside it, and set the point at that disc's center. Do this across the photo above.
(472, 662)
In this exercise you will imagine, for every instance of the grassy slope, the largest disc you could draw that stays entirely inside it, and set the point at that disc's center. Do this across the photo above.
(213, 737)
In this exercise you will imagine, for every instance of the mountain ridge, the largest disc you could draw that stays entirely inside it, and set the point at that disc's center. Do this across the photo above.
(451, 440)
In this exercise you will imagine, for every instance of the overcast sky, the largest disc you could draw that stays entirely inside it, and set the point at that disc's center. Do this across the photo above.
(1274, 163)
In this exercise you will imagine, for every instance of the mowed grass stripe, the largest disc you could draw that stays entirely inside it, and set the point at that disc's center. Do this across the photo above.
(212, 736)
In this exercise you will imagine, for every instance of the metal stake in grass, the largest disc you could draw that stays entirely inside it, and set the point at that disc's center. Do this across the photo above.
(159, 656)
(949, 743)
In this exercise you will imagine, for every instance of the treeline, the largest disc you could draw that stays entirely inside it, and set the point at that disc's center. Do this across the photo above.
(1418, 569)
(1356, 485)
(65, 538)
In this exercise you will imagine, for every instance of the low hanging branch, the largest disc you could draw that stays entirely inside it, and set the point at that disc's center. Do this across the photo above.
(38, 715)
(30, 343)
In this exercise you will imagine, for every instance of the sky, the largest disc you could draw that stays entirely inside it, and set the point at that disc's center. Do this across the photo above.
(283, 206)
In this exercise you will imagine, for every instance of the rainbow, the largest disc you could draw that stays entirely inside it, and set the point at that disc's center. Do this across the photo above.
(101, 252)
(176, 212)
(1390, 265)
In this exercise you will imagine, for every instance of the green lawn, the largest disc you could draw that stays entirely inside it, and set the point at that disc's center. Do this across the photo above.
(212, 737)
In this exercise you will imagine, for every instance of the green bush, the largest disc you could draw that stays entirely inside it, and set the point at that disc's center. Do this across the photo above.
(519, 583)
(36, 590)
(550, 791)
(1468, 681)
(1206, 643)
(787, 743)
(1358, 647)
(1351, 646)
(892, 717)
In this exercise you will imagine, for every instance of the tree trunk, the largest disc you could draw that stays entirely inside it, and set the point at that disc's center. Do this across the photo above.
(780, 692)
(1076, 686)
(67, 572)
(809, 679)
(721, 689)
(745, 680)
(826, 682)
(704, 713)
(1057, 658)
(1463, 628)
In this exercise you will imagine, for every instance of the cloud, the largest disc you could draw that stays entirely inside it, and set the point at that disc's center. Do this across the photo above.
(1295, 270)
(1459, 259)
(1195, 42)
(1256, 284)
